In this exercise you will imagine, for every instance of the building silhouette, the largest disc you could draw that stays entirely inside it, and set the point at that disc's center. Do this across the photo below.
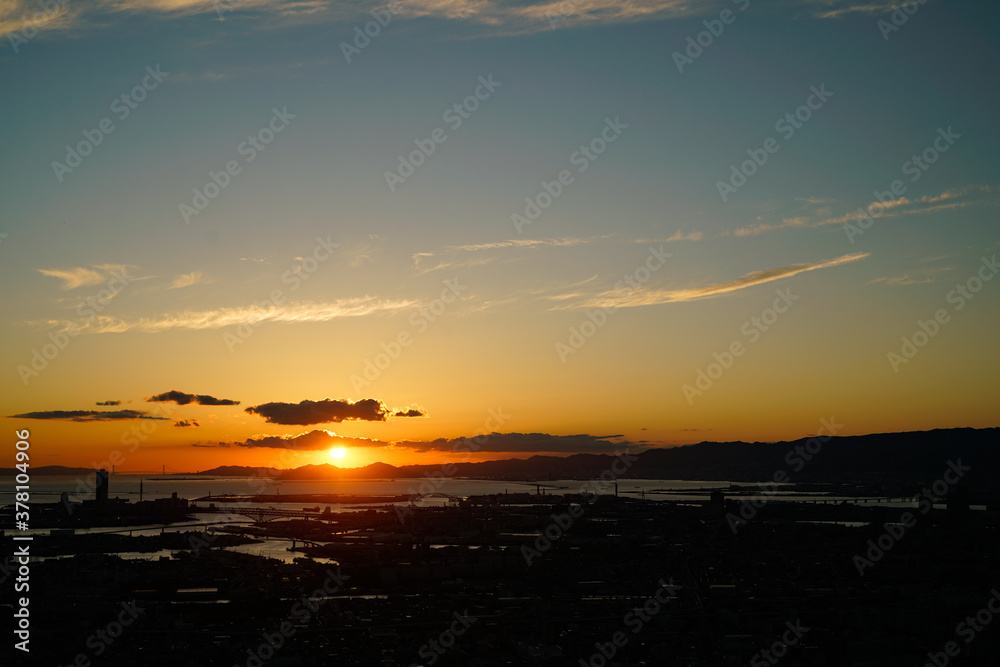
(101, 492)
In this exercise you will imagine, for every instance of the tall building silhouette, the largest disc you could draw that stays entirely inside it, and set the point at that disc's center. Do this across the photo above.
(102, 486)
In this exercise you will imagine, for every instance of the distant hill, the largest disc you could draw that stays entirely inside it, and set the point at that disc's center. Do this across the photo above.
(239, 471)
(913, 456)
(50, 470)
(918, 455)
(327, 471)
(882, 456)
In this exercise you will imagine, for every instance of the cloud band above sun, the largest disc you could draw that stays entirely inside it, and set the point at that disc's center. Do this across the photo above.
(309, 412)
(320, 440)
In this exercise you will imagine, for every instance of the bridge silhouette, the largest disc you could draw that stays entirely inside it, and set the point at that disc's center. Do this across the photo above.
(265, 514)
(418, 496)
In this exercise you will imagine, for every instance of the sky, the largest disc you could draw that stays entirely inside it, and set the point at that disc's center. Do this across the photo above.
(268, 232)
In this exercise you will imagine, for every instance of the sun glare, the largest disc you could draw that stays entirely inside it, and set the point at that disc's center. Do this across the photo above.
(338, 452)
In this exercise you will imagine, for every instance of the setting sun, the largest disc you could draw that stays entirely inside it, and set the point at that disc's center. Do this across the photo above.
(338, 452)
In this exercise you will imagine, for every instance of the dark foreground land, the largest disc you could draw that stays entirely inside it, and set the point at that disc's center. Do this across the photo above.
(611, 581)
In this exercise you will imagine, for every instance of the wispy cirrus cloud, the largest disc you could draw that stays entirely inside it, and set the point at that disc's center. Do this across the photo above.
(218, 8)
(18, 16)
(187, 279)
(655, 296)
(918, 277)
(225, 317)
(421, 257)
(938, 258)
(79, 276)
(492, 17)
(762, 227)
(527, 243)
(495, 16)
(904, 279)
(511, 18)
(955, 198)
(835, 9)
(680, 236)
(452, 257)
(74, 277)
(676, 237)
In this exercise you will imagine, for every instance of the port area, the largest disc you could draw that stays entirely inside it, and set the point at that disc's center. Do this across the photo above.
(547, 583)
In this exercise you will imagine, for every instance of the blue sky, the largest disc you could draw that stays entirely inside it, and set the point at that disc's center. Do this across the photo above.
(559, 85)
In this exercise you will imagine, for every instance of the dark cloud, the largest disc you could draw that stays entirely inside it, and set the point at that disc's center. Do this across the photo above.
(185, 423)
(181, 398)
(410, 412)
(313, 440)
(108, 403)
(306, 413)
(87, 415)
(521, 443)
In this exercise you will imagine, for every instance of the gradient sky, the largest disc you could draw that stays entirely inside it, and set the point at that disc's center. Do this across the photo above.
(155, 302)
